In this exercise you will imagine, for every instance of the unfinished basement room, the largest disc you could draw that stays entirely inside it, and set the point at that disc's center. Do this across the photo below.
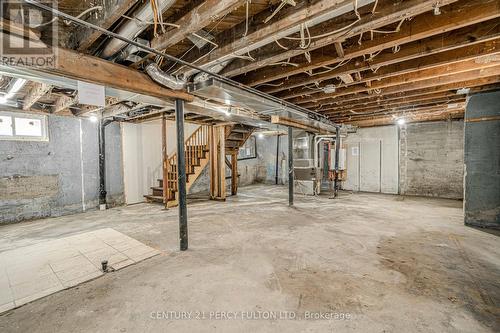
(249, 166)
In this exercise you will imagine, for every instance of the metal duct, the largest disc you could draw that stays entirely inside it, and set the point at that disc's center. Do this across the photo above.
(163, 78)
(132, 28)
(200, 77)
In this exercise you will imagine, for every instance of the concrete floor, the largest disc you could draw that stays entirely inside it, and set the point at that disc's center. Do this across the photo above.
(375, 263)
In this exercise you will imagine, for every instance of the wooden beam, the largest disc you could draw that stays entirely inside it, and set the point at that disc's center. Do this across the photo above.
(417, 80)
(87, 68)
(113, 10)
(339, 49)
(296, 124)
(463, 13)
(37, 91)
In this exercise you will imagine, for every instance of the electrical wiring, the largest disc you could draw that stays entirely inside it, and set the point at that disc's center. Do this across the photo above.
(328, 33)
(329, 69)
(146, 23)
(247, 15)
(270, 84)
(283, 47)
(398, 28)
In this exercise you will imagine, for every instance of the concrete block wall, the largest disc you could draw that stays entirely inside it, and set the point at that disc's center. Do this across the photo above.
(431, 159)
(482, 160)
(58, 177)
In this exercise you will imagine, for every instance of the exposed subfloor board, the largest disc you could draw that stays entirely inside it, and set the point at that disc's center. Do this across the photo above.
(392, 263)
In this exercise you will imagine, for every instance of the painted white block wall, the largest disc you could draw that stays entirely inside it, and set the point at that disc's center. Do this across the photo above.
(142, 158)
(372, 160)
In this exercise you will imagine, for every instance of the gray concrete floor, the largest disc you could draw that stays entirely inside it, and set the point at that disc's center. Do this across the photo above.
(383, 263)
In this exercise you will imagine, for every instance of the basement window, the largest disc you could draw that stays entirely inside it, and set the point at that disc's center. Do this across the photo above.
(20, 126)
(249, 149)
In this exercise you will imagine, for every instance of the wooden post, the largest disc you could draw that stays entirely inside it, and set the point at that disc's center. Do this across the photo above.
(212, 146)
(222, 163)
(234, 173)
(165, 160)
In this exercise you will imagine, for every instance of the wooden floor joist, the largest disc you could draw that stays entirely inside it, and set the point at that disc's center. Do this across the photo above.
(461, 14)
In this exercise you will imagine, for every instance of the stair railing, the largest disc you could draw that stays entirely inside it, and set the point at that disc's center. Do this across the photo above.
(195, 146)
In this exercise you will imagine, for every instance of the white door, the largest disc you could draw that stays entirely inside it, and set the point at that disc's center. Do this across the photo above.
(369, 166)
(352, 166)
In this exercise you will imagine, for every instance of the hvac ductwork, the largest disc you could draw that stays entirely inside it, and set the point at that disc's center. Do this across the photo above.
(163, 78)
(131, 28)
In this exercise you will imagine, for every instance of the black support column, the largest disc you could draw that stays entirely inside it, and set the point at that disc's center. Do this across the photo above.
(337, 156)
(181, 169)
(290, 166)
(102, 162)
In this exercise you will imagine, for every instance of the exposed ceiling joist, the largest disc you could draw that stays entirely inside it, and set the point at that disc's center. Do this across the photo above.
(464, 81)
(418, 80)
(488, 50)
(195, 20)
(285, 22)
(464, 37)
(460, 14)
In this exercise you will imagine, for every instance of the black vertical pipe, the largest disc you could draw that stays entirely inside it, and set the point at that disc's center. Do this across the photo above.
(181, 173)
(277, 157)
(102, 161)
(337, 156)
(290, 166)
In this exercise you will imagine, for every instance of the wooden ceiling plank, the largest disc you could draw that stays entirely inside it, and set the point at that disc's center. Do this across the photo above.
(422, 117)
(289, 17)
(469, 82)
(468, 36)
(460, 14)
(417, 80)
(198, 18)
(357, 111)
(482, 50)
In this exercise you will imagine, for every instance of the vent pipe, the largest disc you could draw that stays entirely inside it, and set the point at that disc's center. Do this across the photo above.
(163, 78)
(130, 29)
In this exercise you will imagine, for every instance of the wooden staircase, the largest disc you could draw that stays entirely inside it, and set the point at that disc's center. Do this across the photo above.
(197, 158)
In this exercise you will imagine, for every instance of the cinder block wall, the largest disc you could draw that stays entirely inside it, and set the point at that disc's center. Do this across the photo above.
(432, 159)
(58, 177)
(482, 160)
